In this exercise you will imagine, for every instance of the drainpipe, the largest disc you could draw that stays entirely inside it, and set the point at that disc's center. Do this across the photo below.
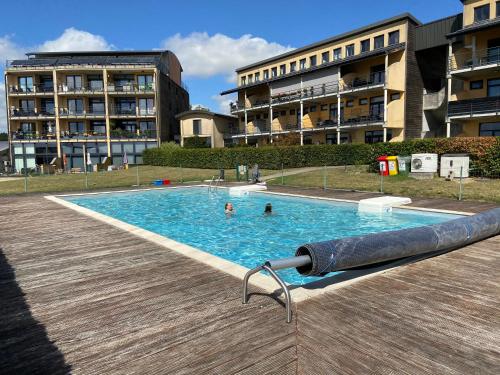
(448, 95)
(301, 118)
(270, 115)
(245, 114)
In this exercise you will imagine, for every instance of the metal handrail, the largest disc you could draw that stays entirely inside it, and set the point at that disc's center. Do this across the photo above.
(270, 267)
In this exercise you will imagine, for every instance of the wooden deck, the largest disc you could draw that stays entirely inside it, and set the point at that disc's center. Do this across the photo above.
(83, 297)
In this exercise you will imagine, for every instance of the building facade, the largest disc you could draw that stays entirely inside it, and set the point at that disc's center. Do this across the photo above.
(214, 128)
(106, 103)
(473, 74)
(392, 80)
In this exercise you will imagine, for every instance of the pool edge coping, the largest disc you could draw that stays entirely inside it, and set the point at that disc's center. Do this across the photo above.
(258, 280)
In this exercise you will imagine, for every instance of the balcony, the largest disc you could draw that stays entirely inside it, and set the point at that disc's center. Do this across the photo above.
(326, 124)
(236, 106)
(434, 100)
(360, 119)
(84, 113)
(467, 61)
(89, 89)
(481, 107)
(35, 90)
(129, 134)
(372, 81)
(17, 113)
(285, 128)
(131, 88)
(67, 135)
(32, 136)
(312, 92)
(117, 111)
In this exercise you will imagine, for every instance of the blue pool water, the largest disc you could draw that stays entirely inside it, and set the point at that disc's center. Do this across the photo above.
(196, 217)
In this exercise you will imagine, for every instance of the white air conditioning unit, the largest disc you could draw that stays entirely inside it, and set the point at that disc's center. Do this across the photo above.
(452, 165)
(424, 163)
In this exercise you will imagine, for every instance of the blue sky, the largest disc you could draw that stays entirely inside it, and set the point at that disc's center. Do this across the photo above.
(210, 37)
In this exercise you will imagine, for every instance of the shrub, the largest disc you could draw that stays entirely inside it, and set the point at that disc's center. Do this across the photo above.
(484, 153)
(195, 142)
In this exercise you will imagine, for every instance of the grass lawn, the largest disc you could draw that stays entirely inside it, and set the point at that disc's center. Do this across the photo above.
(113, 179)
(357, 178)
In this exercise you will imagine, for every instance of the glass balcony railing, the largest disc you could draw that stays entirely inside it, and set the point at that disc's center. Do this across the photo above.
(42, 112)
(31, 90)
(471, 107)
(362, 118)
(131, 87)
(132, 111)
(118, 133)
(32, 135)
(90, 134)
(90, 88)
(87, 112)
(470, 60)
(373, 79)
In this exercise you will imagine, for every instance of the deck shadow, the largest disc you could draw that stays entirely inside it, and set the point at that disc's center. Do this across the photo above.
(25, 347)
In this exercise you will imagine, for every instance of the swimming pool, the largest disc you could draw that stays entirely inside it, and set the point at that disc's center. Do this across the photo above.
(195, 217)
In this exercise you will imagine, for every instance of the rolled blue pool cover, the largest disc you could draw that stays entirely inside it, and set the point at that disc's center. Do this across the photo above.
(352, 252)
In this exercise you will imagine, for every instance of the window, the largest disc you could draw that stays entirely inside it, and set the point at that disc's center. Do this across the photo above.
(293, 66)
(47, 107)
(312, 108)
(377, 73)
(98, 127)
(25, 84)
(394, 37)
(197, 127)
(337, 54)
(365, 45)
(349, 50)
(376, 136)
(324, 107)
(395, 96)
(489, 129)
(46, 83)
(274, 72)
(292, 112)
(302, 64)
(266, 74)
(125, 106)
(97, 106)
(378, 42)
(27, 106)
(377, 107)
(482, 13)
(75, 106)
(363, 101)
(148, 128)
(145, 82)
(243, 80)
(350, 103)
(76, 127)
(325, 57)
(250, 78)
(146, 106)
(257, 77)
(74, 82)
(494, 87)
(476, 85)
(282, 69)
(312, 61)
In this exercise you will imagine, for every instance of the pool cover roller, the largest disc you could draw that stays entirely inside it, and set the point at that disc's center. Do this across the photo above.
(352, 252)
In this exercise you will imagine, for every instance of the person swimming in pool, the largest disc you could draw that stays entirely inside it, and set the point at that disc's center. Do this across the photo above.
(268, 210)
(228, 209)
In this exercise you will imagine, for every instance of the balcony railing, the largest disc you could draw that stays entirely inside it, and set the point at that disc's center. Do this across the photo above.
(34, 135)
(42, 112)
(311, 92)
(469, 60)
(434, 100)
(237, 106)
(88, 112)
(473, 107)
(361, 118)
(32, 90)
(330, 123)
(66, 134)
(135, 111)
(129, 134)
(373, 79)
(131, 87)
(88, 89)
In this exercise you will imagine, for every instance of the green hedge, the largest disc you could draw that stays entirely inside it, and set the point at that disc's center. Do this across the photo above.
(484, 153)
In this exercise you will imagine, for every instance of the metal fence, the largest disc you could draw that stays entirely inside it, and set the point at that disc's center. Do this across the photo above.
(467, 185)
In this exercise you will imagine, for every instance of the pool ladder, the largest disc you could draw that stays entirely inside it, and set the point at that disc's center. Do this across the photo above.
(214, 183)
(271, 266)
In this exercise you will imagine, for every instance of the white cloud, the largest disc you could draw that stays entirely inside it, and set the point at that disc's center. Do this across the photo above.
(70, 40)
(223, 102)
(76, 40)
(202, 55)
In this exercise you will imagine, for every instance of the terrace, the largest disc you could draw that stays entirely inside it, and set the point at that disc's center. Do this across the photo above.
(96, 299)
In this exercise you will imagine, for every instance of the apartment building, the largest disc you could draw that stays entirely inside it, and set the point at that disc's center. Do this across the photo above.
(392, 80)
(214, 128)
(106, 103)
(473, 71)
(355, 87)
